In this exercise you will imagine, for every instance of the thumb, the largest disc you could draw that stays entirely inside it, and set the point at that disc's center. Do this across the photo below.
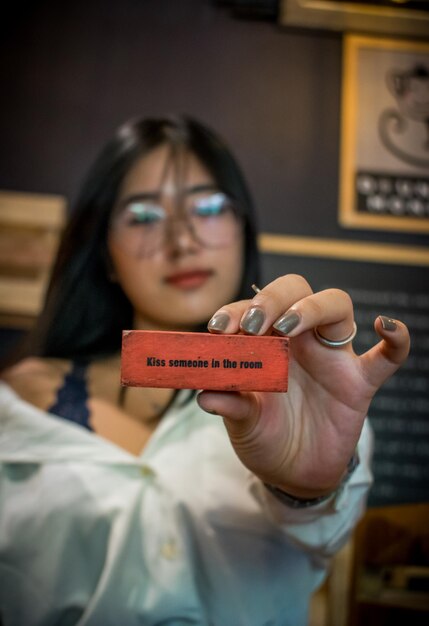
(382, 361)
(240, 410)
(253, 427)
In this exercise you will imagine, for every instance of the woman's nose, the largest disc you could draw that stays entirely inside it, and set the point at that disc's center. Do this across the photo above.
(180, 236)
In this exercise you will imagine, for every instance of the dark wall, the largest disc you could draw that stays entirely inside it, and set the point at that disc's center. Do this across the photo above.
(72, 72)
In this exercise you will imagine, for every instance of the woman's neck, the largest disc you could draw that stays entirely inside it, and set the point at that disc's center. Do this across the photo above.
(141, 323)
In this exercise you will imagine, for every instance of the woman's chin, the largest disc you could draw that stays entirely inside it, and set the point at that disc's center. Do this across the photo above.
(183, 321)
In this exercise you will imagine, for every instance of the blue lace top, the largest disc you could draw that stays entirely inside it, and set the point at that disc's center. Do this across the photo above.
(72, 396)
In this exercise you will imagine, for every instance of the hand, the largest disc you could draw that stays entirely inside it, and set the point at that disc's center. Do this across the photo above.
(302, 441)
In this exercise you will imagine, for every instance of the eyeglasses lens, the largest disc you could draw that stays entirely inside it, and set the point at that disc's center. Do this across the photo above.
(144, 225)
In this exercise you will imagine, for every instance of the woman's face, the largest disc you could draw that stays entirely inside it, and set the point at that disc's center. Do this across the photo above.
(176, 246)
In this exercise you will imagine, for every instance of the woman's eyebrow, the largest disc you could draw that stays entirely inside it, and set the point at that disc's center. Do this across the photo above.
(156, 195)
(138, 197)
(203, 187)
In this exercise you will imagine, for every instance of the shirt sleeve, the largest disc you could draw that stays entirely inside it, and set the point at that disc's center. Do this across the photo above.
(324, 528)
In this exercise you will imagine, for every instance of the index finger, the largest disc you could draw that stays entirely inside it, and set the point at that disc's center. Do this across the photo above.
(256, 316)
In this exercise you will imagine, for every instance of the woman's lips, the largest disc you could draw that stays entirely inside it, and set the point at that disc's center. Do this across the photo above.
(189, 280)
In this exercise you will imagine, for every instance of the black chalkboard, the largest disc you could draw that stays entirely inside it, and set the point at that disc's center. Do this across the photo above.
(399, 413)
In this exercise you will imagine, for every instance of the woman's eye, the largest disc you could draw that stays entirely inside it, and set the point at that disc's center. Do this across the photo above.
(146, 214)
(212, 206)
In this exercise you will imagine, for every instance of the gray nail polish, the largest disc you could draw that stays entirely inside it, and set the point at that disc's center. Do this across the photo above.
(387, 323)
(253, 320)
(287, 322)
(219, 322)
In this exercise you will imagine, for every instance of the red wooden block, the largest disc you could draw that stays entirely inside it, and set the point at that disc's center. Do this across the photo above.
(204, 361)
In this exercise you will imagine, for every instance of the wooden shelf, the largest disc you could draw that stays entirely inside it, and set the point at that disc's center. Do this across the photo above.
(397, 598)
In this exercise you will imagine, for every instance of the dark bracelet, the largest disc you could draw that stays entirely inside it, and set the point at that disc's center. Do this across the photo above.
(302, 503)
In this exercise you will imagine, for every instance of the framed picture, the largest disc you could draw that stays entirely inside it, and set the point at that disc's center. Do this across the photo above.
(409, 18)
(384, 157)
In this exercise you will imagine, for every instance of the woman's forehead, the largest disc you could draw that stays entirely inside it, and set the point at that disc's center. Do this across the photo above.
(166, 170)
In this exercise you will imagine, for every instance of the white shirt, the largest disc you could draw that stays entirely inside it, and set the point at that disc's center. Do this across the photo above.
(183, 534)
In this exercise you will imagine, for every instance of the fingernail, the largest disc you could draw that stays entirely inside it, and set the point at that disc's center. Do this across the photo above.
(201, 407)
(252, 321)
(388, 323)
(287, 322)
(219, 322)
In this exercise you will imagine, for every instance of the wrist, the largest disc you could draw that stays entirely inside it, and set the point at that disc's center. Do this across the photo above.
(299, 502)
(296, 502)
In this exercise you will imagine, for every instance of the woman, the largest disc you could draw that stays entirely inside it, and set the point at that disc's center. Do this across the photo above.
(135, 508)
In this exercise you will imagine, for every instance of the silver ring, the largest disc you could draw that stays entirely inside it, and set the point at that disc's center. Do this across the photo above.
(330, 343)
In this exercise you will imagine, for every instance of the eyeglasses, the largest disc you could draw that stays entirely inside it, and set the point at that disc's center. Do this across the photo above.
(143, 226)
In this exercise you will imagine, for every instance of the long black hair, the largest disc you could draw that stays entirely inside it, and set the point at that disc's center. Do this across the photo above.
(84, 311)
